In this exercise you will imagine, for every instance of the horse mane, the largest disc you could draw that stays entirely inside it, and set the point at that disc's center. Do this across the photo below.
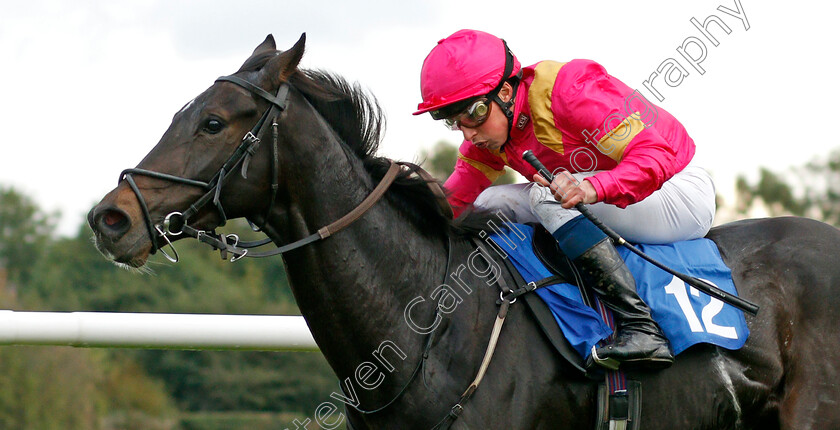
(357, 118)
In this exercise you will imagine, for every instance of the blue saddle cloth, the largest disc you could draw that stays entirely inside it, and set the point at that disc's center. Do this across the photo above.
(686, 315)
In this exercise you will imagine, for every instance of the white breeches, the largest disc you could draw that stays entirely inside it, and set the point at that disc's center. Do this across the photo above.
(682, 209)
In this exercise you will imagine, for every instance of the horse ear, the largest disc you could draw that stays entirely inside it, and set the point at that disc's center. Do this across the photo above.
(267, 45)
(281, 67)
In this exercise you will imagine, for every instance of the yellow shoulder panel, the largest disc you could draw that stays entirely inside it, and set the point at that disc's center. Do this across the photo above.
(539, 98)
(616, 140)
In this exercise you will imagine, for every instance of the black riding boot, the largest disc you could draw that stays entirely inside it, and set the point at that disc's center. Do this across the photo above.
(638, 340)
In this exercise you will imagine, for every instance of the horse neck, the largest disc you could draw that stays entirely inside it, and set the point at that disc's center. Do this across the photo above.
(353, 286)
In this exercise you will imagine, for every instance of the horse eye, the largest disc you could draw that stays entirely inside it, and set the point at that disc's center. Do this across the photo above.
(213, 126)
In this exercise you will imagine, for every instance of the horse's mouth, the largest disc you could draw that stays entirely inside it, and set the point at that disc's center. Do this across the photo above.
(134, 256)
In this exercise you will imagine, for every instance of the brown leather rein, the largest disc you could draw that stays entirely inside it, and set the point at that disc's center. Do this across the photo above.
(239, 250)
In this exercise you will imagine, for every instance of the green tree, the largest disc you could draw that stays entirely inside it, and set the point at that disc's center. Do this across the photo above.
(823, 193)
(25, 231)
(62, 387)
(67, 388)
(49, 388)
(810, 190)
(75, 277)
(773, 190)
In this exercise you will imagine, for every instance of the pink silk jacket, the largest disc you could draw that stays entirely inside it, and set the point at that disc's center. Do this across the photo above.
(579, 118)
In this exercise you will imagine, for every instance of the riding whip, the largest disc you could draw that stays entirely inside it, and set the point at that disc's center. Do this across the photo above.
(697, 283)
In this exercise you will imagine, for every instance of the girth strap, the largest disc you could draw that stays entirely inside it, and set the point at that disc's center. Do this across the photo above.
(528, 287)
(458, 408)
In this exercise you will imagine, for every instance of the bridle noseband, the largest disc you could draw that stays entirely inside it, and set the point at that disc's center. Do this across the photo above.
(176, 223)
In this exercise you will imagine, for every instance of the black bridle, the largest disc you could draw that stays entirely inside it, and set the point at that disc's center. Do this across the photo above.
(176, 223)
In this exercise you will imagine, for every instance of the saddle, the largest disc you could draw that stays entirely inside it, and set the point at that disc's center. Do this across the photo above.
(547, 250)
(618, 407)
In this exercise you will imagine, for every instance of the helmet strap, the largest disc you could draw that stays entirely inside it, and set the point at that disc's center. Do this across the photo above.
(507, 107)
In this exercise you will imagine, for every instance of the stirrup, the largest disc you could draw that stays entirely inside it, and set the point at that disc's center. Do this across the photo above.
(609, 363)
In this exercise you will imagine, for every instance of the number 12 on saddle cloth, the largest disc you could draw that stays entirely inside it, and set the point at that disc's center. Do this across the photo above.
(687, 316)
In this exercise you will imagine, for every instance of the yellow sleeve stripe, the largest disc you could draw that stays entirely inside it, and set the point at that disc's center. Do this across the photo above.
(491, 173)
(615, 142)
(539, 97)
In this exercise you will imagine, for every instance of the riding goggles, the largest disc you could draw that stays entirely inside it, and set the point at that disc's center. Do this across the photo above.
(473, 116)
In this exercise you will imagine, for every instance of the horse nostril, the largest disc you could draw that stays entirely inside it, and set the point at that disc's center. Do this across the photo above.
(112, 223)
(112, 218)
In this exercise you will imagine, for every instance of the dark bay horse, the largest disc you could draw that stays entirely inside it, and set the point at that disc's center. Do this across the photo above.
(354, 288)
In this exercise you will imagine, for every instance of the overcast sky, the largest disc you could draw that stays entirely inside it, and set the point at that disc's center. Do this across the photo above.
(88, 87)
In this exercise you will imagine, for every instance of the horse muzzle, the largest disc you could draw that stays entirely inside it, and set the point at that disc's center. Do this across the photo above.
(118, 235)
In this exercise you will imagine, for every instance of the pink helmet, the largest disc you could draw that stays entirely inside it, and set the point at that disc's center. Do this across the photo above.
(467, 64)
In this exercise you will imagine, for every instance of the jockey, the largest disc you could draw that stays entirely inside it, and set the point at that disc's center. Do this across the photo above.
(608, 147)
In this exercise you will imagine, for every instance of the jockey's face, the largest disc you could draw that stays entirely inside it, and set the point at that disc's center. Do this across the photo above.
(492, 133)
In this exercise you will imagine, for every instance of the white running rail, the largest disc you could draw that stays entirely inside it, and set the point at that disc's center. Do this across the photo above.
(156, 331)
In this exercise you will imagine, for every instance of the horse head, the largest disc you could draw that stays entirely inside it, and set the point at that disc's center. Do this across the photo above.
(190, 174)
